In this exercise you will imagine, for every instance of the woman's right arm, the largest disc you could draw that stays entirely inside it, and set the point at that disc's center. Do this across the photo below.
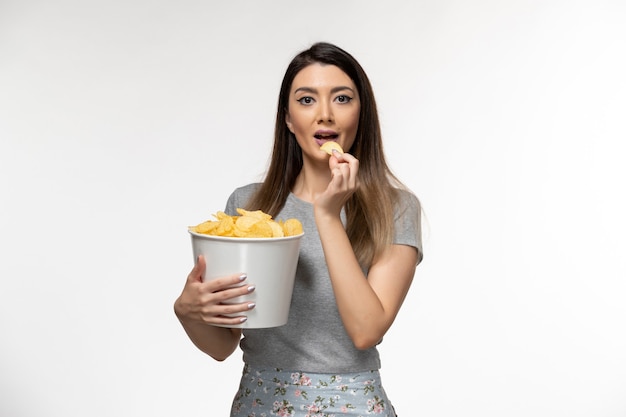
(200, 307)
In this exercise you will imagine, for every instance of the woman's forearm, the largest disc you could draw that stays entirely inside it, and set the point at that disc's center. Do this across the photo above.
(367, 305)
(217, 342)
(359, 306)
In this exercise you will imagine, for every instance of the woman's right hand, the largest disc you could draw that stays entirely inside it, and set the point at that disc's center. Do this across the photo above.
(205, 302)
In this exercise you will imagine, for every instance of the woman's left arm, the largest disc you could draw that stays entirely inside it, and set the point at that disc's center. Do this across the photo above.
(367, 305)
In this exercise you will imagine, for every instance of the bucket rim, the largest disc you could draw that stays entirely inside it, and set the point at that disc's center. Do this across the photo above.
(243, 239)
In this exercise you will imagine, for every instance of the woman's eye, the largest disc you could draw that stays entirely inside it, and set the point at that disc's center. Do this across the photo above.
(343, 99)
(305, 100)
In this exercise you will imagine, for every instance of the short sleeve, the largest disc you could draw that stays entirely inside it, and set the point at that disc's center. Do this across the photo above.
(239, 198)
(408, 227)
(232, 204)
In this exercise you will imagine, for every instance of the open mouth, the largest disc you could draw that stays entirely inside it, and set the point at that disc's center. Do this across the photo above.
(325, 137)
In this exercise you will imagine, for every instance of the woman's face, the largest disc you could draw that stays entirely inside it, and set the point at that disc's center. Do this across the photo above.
(324, 105)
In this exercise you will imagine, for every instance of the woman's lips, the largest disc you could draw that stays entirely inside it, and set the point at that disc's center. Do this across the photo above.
(320, 141)
(324, 135)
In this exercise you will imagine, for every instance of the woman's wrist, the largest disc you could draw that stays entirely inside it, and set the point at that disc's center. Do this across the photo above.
(324, 212)
(323, 217)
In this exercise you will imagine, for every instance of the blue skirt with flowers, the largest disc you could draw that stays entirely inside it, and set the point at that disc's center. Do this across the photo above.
(275, 392)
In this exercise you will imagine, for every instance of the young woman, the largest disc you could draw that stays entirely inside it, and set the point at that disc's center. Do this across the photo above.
(358, 256)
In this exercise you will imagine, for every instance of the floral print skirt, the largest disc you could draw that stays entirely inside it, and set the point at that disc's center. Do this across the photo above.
(276, 392)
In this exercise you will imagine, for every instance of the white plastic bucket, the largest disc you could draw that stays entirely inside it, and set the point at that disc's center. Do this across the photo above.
(270, 264)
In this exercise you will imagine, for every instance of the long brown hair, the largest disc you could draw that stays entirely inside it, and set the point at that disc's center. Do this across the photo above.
(370, 210)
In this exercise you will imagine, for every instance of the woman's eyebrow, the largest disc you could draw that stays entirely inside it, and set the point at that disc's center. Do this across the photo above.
(314, 90)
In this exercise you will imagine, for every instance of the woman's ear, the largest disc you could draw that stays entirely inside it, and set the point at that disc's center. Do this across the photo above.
(288, 122)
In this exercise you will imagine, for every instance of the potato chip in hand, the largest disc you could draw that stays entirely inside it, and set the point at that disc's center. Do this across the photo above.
(329, 146)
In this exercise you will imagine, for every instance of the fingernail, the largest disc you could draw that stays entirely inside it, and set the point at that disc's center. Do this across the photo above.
(251, 305)
(251, 288)
(241, 320)
(242, 277)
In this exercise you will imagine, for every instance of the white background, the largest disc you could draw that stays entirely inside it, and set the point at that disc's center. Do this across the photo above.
(123, 122)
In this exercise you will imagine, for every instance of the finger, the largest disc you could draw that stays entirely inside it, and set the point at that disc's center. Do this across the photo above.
(337, 178)
(231, 309)
(333, 161)
(228, 321)
(352, 163)
(226, 282)
(354, 170)
(224, 313)
(230, 293)
(339, 158)
(344, 157)
(344, 170)
(337, 155)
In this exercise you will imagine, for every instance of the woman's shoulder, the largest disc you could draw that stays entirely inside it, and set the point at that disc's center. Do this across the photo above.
(240, 196)
(247, 190)
(407, 206)
(406, 199)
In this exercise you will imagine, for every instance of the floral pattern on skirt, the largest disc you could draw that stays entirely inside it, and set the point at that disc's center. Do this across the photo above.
(265, 393)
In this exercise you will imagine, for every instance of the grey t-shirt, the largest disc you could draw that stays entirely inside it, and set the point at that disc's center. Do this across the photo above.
(314, 338)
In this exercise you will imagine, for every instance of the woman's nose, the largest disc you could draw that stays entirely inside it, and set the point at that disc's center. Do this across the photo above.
(325, 112)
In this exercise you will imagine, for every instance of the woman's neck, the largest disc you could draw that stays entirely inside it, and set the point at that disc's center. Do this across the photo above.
(311, 181)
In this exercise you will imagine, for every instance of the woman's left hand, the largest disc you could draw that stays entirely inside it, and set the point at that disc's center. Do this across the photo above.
(344, 182)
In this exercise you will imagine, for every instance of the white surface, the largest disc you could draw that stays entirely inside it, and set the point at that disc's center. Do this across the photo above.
(123, 122)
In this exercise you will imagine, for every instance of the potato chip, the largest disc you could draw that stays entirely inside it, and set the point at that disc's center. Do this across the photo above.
(244, 223)
(329, 146)
(220, 215)
(257, 214)
(292, 227)
(277, 230)
(205, 227)
(260, 229)
(248, 226)
(251, 224)
(226, 226)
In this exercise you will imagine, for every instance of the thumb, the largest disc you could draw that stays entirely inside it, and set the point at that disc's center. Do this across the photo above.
(198, 270)
(333, 161)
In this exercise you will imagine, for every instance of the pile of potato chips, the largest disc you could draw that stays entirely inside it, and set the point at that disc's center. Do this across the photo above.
(248, 224)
